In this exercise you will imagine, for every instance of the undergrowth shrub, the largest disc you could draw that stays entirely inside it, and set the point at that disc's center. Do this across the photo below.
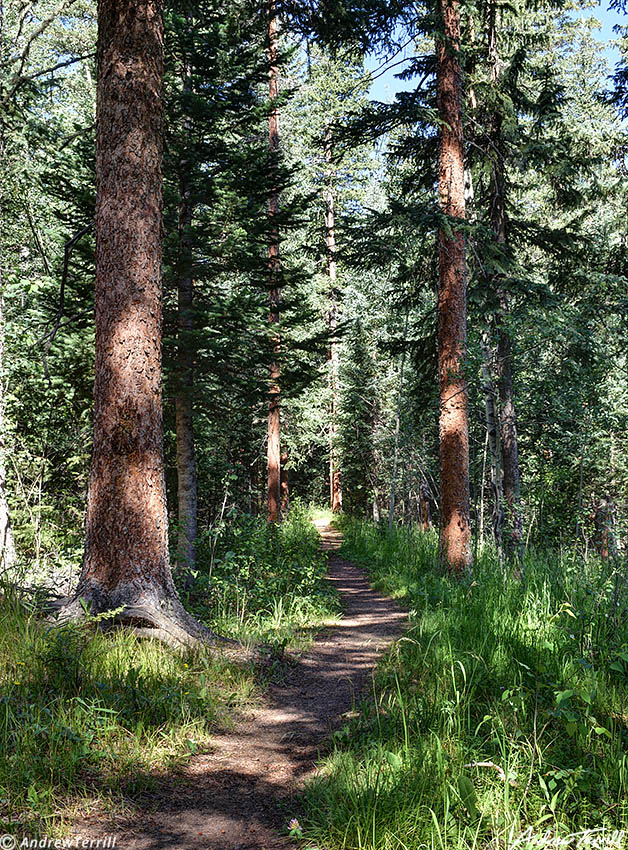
(258, 580)
(84, 713)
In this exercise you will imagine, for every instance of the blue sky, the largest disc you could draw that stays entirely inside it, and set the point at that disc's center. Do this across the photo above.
(385, 86)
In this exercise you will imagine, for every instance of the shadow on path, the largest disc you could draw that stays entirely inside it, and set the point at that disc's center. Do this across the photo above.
(232, 798)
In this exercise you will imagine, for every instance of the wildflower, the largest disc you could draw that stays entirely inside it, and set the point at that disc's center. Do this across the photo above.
(17, 683)
(294, 824)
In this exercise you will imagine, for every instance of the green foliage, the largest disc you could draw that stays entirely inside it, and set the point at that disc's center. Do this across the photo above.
(503, 707)
(260, 581)
(87, 714)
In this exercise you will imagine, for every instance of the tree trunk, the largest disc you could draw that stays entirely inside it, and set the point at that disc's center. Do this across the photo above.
(508, 418)
(285, 485)
(187, 494)
(393, 482)
(274, 436)
(455, 538)
(186, 456)
(126, 559)
(376, 511)
(7, 545)
(424, 501)
(494, 446)
(335, 488)
(510, 443)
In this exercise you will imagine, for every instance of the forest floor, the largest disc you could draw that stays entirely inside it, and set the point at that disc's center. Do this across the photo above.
(242, 795)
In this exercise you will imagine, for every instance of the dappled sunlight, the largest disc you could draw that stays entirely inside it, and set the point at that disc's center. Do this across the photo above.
(502, 698)
(231, 795)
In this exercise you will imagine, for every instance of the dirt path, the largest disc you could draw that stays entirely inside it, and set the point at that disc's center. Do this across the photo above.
(238, 796)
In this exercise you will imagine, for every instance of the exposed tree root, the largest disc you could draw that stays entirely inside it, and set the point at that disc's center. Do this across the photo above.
(163, 619)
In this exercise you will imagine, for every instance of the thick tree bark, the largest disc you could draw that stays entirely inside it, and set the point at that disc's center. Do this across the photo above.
(508, 417)
(186, 455)
(126, 563)
(335, 488)
(126, 552)
(455, 537)
(274, 410)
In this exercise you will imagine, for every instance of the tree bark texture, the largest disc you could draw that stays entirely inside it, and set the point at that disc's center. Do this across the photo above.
(508, 417)
(7, 545)
(126, 555)
(187, 495)
(455, 537)
(335, 488)
(274, 402)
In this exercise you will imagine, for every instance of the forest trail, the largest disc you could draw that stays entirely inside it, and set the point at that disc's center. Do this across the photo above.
(238, 796)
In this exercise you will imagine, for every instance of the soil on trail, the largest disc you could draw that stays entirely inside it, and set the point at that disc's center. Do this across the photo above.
(237, 797)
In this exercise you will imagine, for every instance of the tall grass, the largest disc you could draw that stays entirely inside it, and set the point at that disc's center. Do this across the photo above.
(262, 582)
(90, 717)
(499, 719)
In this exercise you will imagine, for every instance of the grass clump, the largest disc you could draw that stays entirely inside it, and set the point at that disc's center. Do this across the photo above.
(499, 719)
(89, 716)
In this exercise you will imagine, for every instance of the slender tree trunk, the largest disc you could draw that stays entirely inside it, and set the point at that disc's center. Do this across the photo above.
(7, 545)
(393, 482)
(580, 488)
(424, 501)
(186, 455)
(482, 480)
(285, 485)
(494, 446)
(274, 420)
(126, 561)
(508, 418)
(187, 495)
(509, 440)
(376, 512)
(335, 488)
(455, 539)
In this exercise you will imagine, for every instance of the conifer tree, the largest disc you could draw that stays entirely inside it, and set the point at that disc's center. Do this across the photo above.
(455, 544)
(274, 403)
(126, 564)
